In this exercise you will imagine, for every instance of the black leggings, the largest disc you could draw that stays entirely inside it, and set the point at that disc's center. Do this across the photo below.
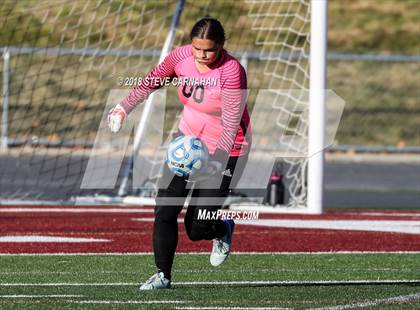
(165, 230)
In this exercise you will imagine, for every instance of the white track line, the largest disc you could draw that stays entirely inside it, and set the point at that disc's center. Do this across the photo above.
(207, 253)
(371, 225)
(415, 214)
(385, 301)
(76, 210)
(47, 239)
(387, 226)
(128, 209)
(229, 283)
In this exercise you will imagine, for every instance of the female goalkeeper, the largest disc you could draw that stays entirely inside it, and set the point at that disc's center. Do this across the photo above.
(213, 92)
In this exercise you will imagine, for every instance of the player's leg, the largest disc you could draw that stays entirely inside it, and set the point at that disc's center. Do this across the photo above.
(165, 229)
(222, 245)
(214, 229)
(208, 229)
(205, 200)
(203, 229)
(169, 203)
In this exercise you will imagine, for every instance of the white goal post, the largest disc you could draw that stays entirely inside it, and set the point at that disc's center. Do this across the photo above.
(317, 101)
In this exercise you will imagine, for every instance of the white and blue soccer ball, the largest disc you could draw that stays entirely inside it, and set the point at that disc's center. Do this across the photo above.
(187, 156)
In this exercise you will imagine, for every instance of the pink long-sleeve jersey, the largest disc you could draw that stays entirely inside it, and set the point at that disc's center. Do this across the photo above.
(215, 107)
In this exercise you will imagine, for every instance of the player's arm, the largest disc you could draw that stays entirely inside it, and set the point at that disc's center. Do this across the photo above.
(151, 82)
(233, 96)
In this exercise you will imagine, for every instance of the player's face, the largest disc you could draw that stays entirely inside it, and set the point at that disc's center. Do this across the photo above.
(205, 51)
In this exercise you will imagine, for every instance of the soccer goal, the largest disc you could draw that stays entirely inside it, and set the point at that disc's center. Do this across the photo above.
(66, 63)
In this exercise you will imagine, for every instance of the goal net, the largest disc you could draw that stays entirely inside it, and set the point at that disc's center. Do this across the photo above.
(65, 62)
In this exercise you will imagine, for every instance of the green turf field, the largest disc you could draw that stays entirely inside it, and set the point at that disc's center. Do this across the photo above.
(270, 281)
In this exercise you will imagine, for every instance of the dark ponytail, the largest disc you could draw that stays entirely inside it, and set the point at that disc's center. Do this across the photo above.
(210, 29)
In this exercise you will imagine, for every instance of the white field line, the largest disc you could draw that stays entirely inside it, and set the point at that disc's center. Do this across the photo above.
(207, 253)
(69, 284)
(322, 282)
(385, 301)
(232, 308)
(95, 301)
(212, 283)
(188, 271)
(123, 302)
(40, 296)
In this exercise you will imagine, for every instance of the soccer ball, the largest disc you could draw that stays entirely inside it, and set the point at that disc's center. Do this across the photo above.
(187, 156)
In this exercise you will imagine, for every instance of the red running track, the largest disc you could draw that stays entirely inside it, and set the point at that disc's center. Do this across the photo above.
(129, 231)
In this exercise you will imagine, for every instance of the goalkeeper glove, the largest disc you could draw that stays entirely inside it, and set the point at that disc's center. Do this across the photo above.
(116, 118)
(217, 162)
